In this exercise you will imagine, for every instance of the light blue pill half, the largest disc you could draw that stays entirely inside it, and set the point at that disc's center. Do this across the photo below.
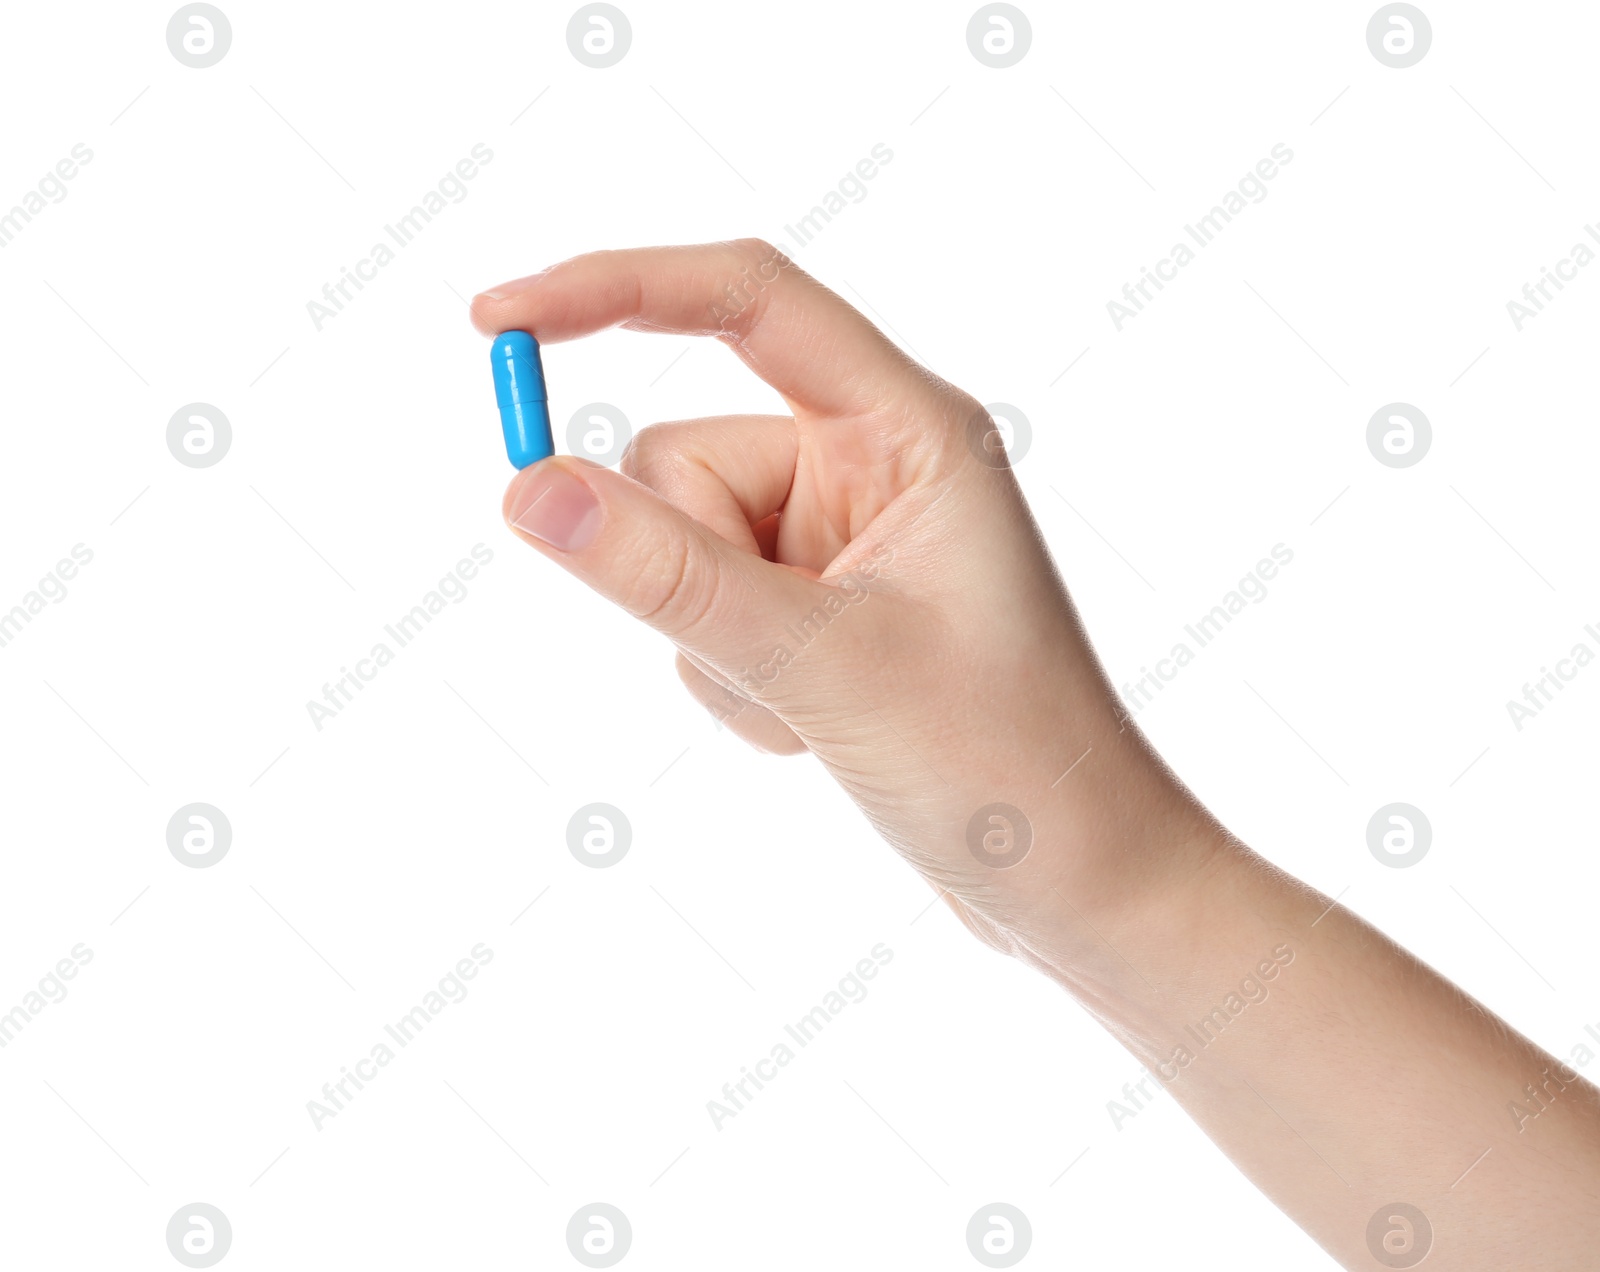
(524, 404)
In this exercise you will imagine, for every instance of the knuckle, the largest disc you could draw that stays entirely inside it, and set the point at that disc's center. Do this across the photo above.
(754, 268)
(754, 251)
(653, 455)
(635, 454)
(668, 593)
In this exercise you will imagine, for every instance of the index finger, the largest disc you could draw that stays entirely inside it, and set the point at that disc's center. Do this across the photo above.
(805, 341)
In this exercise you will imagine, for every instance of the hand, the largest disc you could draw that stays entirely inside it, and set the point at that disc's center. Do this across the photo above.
(863, 581)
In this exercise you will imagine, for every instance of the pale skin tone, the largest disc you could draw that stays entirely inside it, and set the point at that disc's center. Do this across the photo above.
(948, 671)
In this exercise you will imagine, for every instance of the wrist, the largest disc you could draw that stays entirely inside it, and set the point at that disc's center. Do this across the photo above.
(1125, 868)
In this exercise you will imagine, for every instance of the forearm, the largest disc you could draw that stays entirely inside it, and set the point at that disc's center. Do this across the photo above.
(1336, 1070)
(1339, 1073)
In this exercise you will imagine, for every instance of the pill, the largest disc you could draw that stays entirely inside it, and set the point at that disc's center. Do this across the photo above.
(524, 404)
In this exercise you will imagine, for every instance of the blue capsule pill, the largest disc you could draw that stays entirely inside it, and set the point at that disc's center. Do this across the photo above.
(524, 404)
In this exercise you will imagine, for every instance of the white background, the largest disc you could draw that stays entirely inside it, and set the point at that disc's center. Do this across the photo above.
(366, 460)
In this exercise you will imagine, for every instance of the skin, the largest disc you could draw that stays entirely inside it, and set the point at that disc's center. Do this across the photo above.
(944, 670)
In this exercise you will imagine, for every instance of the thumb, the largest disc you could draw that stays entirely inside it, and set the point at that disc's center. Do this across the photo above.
(634, 548)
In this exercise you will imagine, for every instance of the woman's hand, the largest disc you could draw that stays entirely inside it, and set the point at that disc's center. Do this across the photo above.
(863, 581)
